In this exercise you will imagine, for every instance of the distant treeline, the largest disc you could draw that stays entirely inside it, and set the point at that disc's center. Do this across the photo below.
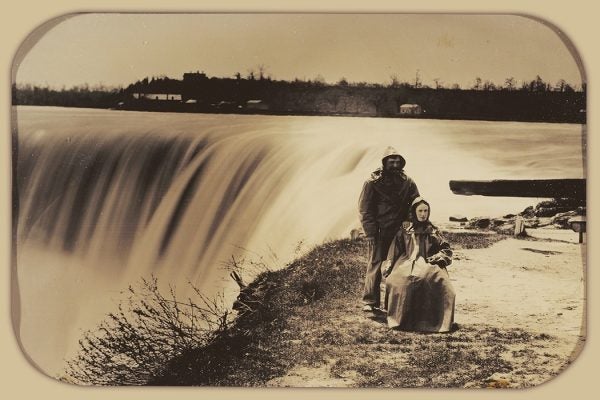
(531, 101)
(79, 96)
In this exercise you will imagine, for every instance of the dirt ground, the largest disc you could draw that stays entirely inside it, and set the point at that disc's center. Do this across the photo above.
(536, 285)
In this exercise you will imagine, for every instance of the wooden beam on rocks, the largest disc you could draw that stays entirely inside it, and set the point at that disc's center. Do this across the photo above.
(540, 188)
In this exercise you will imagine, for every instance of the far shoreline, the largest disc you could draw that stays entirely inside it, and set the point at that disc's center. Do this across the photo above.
(349, 115)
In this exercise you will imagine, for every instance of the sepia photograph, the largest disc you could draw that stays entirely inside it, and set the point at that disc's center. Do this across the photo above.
(299, 200)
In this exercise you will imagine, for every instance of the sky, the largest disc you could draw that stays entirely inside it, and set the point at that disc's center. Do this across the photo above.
(115, 49)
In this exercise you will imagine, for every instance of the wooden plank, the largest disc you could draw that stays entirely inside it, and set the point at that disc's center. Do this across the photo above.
(543, 188)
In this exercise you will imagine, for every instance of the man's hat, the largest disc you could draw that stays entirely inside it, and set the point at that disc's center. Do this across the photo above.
(389, 152)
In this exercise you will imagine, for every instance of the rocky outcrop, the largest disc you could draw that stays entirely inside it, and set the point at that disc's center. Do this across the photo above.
(458, 218)
(553, 207)
(555, 213)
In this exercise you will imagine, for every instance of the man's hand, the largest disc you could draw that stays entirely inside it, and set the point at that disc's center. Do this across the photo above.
(370, 241)
(406, 225)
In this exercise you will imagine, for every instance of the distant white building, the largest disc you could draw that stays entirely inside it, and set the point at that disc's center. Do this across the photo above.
(158, 96)
(410, 109)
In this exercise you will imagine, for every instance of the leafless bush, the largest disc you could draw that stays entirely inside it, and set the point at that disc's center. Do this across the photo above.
(135, 344)
(251, 264)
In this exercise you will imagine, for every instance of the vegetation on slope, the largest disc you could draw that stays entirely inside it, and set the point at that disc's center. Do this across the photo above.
(307, 315)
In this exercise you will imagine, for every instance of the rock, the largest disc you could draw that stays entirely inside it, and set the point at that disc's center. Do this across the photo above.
(549, 208)
(495, 222)
(529, 212)
(458, 218)
(545, 211)
(562, 220)
(531, 222)
(479, 222)
(564, 203)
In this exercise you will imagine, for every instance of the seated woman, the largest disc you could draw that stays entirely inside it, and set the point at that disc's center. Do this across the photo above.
(419, 296)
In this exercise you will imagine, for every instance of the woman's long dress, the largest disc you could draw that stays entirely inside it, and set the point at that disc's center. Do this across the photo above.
(419, 296)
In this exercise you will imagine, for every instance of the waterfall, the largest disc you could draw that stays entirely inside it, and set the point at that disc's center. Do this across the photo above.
(175, 201)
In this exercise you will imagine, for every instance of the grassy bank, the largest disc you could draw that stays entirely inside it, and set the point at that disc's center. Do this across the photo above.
(303, 327)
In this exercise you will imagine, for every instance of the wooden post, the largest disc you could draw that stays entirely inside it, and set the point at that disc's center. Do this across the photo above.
(578, 225)
(519, 226)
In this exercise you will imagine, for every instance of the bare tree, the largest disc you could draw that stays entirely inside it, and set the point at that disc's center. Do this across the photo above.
(418, 82)
(538, 85)
(134, 345)
(510, 84)
(319, 80)
(395, 81)
(562, 86)
(343, 82)
(261, 71)
(488, 85)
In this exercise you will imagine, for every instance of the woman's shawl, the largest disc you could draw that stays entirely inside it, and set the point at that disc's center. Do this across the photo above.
(418, 241)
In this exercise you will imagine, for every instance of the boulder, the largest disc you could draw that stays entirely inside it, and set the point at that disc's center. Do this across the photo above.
(556, 213)
(531, 222)
(495, 222)
(479, 223)
(548, 211)
(549, 208)
(561, 220)
(458, 218)
(529, 212)
(562, 203)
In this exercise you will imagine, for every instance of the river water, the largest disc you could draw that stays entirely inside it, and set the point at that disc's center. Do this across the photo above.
(106, 197)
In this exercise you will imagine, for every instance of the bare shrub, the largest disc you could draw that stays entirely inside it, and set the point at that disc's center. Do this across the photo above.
(135, 344)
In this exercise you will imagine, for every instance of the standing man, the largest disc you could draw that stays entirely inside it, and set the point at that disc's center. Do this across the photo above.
(384, 206)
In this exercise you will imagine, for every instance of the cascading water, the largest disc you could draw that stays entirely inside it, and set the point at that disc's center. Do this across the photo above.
(107, 197)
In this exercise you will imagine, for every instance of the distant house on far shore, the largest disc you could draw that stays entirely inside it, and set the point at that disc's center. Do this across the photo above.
(256, 105)
(158, 96)
(410, 109)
